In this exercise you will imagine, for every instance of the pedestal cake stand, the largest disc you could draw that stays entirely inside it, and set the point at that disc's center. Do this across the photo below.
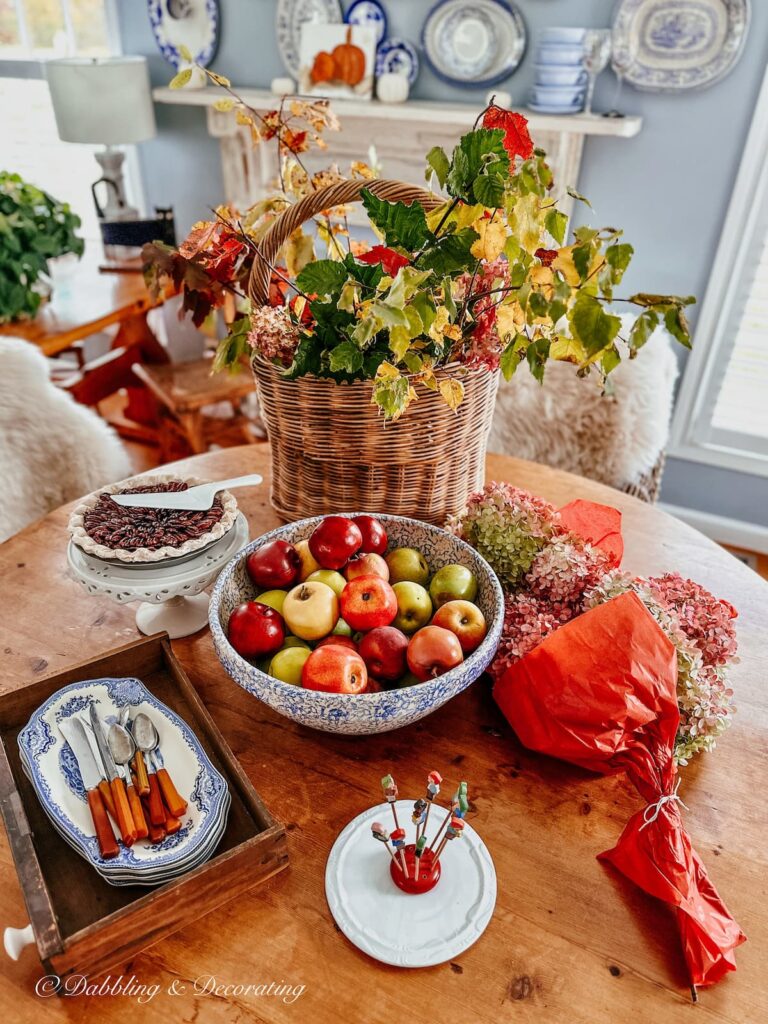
(170, 594)
(399, 928)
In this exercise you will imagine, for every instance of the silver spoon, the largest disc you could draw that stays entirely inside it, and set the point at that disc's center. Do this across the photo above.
(145, 734)
(122, 748)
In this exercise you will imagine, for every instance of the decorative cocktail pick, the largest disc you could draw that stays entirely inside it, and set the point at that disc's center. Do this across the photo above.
(454, 831)
(379, 832)
(419, 815)
(398, 841)
(421, 842)
(433, 790)
(389, 786)
(459, 807)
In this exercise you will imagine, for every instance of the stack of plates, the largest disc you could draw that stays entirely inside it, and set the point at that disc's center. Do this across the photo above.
(52, 769)
(561, 79)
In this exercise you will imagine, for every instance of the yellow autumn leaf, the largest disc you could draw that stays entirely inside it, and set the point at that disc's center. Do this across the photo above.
(543, 279)
(564, 263)
(441, 321)
(510, 318)
(524, 221)
(493, 236)
(428, 379)
(224, 105)
(298, 251)
(568, 350)
(452, 393)
(180, 80)
(387, 371)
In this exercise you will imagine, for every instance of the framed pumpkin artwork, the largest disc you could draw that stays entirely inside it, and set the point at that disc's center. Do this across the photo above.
(337, 60)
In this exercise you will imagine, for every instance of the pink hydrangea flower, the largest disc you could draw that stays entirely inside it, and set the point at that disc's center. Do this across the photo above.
(274, 334)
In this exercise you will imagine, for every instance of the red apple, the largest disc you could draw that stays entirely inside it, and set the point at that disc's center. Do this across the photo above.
(274, 566)
(368, 602)
(374, 686)
(334, 540)
(255, 630)
(432, 651)
(334, 669)
(374, 534)
(383, 651)
(366, 565)
(338, 641)
(465, 620)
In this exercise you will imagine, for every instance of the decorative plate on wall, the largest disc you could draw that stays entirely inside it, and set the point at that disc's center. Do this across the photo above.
(368, 12)
(477, 43)
(291, 15)
(190, 23)
(670, 45)
(399, 57)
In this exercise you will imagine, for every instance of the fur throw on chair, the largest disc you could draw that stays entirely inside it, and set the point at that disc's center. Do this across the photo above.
(52, 450)
(567, 423)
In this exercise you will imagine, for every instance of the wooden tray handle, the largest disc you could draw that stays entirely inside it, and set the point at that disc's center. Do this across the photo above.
(310, 206)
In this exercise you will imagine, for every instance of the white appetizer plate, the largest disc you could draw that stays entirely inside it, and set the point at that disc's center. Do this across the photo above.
(479, 43)
(395, 927)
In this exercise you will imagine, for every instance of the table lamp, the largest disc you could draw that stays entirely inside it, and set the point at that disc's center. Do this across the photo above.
(105, 100)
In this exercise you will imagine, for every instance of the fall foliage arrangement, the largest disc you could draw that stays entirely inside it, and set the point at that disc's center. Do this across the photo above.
(485, 279)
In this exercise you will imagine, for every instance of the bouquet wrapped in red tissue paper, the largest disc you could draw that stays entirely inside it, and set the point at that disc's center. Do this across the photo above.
(601, 692)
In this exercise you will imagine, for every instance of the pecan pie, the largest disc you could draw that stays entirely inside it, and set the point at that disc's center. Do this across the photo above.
(105, 529)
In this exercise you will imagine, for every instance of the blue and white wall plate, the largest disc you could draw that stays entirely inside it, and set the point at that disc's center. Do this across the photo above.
(371, 13)
(474, 42)
(399, 57)
(53, 771)
(290, 15)
(190, 23)
(672, 45)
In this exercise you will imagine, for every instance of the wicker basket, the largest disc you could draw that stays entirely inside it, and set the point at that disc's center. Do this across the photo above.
(331, 447)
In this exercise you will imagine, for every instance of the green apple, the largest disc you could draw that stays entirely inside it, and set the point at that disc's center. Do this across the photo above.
(407, 564)
(294, 641)
(274, 598)
(287, 664)
(414, 606)
(452, 583)
(341, 628)
(330, 578)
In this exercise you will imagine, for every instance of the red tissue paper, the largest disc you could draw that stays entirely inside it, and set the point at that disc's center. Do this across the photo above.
(600, 692)
(599, 525)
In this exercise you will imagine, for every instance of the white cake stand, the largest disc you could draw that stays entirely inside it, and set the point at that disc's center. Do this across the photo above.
(395, 927)
(171, 595)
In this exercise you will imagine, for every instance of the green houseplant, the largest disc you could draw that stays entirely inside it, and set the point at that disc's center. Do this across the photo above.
(34, 228)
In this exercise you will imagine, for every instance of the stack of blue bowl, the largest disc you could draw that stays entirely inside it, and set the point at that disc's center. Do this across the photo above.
(561, 80)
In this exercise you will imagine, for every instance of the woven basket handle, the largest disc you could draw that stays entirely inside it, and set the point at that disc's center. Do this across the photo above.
(310, 206)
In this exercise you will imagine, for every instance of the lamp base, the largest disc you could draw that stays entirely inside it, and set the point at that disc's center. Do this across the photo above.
(116, 207)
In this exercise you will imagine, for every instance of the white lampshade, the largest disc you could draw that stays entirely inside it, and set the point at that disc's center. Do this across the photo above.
(105, 100)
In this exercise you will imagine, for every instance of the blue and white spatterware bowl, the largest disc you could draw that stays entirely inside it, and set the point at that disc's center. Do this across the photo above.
(367, 713)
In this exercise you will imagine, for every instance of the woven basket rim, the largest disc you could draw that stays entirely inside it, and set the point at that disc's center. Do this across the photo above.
(454, 367)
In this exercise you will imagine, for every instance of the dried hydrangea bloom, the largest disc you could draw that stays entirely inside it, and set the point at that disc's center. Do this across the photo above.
(565, 569)
(273, 334)
(527, 621)
(508, 527)
(703, 618)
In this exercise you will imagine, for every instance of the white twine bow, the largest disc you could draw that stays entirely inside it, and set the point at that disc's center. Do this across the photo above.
(652, 811)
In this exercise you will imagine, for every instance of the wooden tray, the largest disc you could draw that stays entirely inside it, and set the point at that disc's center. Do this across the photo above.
(81, 923)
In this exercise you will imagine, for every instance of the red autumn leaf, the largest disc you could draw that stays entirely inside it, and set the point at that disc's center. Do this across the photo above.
(517, 141)
(390, 260)
(547, 256)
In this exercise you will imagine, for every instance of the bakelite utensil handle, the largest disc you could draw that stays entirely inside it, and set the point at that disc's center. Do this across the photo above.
(104, 835)
(106, 796)
(156, 809)
(173, 801)
(137, 813)
(156, 833)
(124, 817)
(142, 782)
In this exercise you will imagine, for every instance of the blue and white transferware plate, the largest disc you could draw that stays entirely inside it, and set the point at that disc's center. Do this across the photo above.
(366, 713)
(671, 45)
(371, 13)
(398, 57)
(290, 15)
(190, 23)
(54, 773)
(474, 42)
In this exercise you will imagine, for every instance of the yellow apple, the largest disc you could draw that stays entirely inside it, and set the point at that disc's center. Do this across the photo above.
(311, 610)
(309, 563)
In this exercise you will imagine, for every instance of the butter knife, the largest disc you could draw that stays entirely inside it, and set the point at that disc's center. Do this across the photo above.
(73, 732)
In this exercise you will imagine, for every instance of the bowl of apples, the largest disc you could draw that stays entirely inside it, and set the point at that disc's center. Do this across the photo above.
(356, 623)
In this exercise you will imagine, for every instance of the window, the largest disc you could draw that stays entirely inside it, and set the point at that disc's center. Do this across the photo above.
(37, 29)
(721, 416)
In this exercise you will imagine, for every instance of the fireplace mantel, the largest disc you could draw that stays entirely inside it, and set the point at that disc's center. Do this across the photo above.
(401, 135)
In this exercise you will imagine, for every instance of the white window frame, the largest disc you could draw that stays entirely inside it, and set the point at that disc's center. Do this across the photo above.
(689, 437)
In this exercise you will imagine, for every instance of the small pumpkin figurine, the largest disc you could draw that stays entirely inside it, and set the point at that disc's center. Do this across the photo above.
(349, 60)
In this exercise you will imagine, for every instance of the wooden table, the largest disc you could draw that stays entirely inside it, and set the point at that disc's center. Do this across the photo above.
(569, 942)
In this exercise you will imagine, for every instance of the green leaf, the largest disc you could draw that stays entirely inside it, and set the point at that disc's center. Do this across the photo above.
(479, 150)
(349, 296)
(537, 354)
(556, 224)
(641, 330)
(368, 274)
(448, 300)
(512, 356)
(582, 260)
(391, 394)
(346, 357)
(538, 304)
(489, 190)
(458, 179)
(438, 163)
(676, 323)
(401, 225)
(591, 325)
(618, 258)
(180, 80)
(577, 195)
(232, 349)
(400, 337)
(644, 299)
(610, 359)
(450, 253)
(323, 277)
(405, 284)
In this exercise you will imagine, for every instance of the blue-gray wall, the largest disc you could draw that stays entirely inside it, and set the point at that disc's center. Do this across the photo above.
(669, 187)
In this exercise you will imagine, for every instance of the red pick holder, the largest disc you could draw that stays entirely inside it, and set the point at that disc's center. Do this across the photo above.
(429, 871)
